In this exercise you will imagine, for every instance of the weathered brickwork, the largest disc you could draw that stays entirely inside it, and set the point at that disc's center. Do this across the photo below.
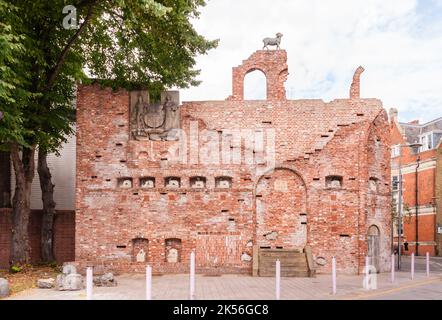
(310, 181)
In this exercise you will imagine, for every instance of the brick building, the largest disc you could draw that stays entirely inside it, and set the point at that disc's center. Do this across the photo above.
(63, 176)
(422, 164)
(231, 178)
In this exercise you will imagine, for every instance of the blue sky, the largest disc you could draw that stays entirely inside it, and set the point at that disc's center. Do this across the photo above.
(399, 43)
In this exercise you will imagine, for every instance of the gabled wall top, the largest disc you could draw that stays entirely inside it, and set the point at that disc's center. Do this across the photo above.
(273, 63)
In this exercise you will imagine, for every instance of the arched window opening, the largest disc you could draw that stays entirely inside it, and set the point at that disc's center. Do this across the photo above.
(255, 86)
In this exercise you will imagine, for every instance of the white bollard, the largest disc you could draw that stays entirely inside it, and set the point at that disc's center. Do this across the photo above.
(89, 283)
(367, 272)
(412, 266)
(428, 264)
(334, 275)
(278, 279)
(148, 283)
(392, 268)
(192, 275)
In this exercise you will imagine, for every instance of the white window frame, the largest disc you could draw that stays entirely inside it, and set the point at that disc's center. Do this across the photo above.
(395, 150)
(427, 141)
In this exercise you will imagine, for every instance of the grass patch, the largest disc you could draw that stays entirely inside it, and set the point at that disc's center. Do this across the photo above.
(28, 276)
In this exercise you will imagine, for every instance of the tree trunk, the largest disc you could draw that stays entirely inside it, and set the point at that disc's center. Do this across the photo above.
(47, 195)
(24, 173)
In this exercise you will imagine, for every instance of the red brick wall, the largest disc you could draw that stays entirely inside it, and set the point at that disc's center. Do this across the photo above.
(313, 140)
(426, 194)
(64, 236)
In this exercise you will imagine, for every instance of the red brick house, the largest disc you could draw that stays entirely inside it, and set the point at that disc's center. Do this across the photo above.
(421, 163)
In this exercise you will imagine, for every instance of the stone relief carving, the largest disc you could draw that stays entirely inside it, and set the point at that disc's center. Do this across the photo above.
(125, 183)
(141, 256)
(172, 255)
(155, 121)
(173, 182)
(198, 182)
(223, 183)
(147, 182)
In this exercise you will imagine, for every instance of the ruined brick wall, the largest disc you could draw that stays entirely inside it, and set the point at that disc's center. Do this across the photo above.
(298, 174)
(64, 236)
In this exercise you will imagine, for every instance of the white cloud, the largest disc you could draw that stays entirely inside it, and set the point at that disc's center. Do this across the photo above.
(399, 42)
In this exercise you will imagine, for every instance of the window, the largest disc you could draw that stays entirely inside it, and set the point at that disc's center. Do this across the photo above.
(427, 142)
(396, 150)
(395, 183)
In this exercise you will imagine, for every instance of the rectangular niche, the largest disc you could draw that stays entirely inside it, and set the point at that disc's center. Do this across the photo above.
(147, 182)
(373, 184)
(333, 181)
(172, 182)
(173, 250)
(124, 183)
(223, 182)
(198, 182)
(140, 247)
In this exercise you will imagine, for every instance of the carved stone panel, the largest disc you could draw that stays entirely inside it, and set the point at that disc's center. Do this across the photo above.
(155, 121)
(172, 182)
(147, 182)
(125, 183)
(223, 182)
(197, 182)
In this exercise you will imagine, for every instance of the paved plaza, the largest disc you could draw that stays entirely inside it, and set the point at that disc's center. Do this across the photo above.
(243, 287)
(240, 287)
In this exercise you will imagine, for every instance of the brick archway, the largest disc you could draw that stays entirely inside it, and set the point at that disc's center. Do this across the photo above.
(273, 63)
(281, 210)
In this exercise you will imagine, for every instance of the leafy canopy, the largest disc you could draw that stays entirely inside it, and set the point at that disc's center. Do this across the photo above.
(123, 43)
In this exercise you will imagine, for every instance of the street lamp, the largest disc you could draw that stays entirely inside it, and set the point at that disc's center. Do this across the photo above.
(411, 145)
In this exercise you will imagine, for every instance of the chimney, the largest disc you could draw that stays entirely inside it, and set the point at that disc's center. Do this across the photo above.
(393, 114)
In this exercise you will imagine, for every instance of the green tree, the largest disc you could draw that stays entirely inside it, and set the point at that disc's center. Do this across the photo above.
(124, 43)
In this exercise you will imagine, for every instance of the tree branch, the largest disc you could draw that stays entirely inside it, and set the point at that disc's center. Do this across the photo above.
(56, 69)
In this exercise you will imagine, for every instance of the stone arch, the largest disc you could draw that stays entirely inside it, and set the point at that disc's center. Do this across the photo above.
(374, 245)
(254, 81)
(281, 209)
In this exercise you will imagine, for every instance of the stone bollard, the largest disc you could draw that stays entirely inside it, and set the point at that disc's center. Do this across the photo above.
(334, 275)
(392, 268)
(89, 283)
(412, 266)
(148, 283)
(278, 279)
(4, 288)
(192, 275)
(428, 264)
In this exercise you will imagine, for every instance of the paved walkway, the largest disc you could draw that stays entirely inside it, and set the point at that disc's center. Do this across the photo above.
(240, 287)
